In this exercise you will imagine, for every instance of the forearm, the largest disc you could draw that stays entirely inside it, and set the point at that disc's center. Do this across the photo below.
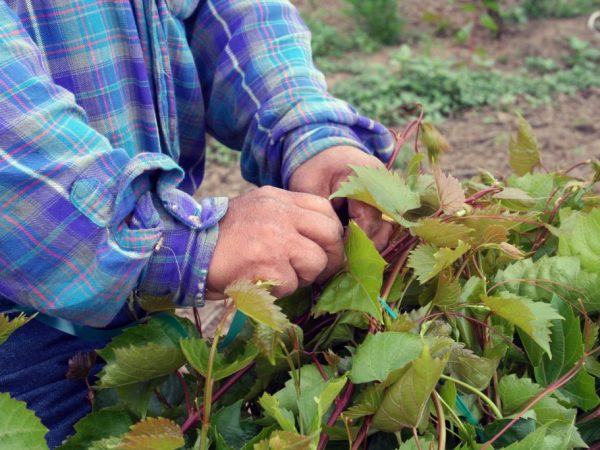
(67, 247)
(264, 94)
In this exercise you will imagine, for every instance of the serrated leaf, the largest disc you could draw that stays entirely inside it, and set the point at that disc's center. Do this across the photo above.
(197, 353)
(155, 433)
(284, 440)
(428, 261)
(405, 402)
(284, 417)
(96, 426)
(136, 397)
(515, 199)
(380, 188)
(448, 290)
(523, 149)
(532, 440)
(162, 331)
(257, 303)
(475, 370)
(515, 393)
(433, 141)
(7, 326)
(441, 234)
(516, 432)
(381, 353)
(561, 275)
(567, 349)
(533, 318)
(137, 363)
(19, 427)
(579, 237)
(450, 192)
(356, 289)
(227, 423)
(367, 403)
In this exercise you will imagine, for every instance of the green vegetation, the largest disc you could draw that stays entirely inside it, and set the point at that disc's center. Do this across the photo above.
(558, 8)
(446, 87)
(328, 41)
(378, 18)
(476, 328)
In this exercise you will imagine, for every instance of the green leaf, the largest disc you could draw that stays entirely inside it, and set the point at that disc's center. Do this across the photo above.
(357, 288)
(381, 353)
(489, 23)
(579, 237)
(516, 432)
(137, 396)
(144, 352)
(533, 318)
(515, 393)
(284, 440)
(441, 234)
(448, 290)
(515, 199)
(367, 403)
(136, 363)
(316, 396)
(228, 425)
(155, 433)
(405, 402)
(7, 327)
(531, 441)
(471, 368)
(567, 349)
(197, 353)
(561, 275)
(433, 141)
(257, 303)
(380, 188)
(523, 149)
(428, 261)
(284, 417)
(96, 426)
(19, 427)
(450, 192)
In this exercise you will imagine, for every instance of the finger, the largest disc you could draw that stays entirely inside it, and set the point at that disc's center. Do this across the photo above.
(282, 273)
(383, 235)
(367, 218)
(327, 233)
(307, 259)
(306, 201)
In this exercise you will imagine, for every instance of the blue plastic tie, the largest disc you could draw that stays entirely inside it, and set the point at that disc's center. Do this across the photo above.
(388, 309)
(238, 322)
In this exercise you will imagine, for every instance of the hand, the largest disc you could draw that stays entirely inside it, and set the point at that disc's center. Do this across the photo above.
(269, 234)
(322, 175)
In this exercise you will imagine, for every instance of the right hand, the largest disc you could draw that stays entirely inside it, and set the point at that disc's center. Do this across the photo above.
(269, 234)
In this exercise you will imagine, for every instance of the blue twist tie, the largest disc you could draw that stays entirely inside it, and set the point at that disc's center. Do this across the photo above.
(388, 309)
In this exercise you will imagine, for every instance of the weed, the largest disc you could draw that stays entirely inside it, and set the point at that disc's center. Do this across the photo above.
(379, 18)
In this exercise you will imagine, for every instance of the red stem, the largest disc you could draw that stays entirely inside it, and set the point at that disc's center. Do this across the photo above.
(477, 195)
(362, 433)
(186, 393)
(196, 415)
(340, 406)
(550, 389)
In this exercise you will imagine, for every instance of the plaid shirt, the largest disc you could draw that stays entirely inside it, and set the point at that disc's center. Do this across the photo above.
(104, 108)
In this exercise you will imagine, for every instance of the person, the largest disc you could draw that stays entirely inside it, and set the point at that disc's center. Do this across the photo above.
(104, 111)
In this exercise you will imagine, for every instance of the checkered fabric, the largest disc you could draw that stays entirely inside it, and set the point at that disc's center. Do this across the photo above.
(104, 109)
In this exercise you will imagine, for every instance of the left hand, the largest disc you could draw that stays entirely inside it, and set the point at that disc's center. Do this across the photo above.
(322, 175)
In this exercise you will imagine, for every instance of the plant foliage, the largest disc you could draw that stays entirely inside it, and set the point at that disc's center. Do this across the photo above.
(476, 328)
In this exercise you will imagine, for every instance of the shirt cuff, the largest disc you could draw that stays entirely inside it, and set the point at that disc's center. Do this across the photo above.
(307, 141)
(178, 267)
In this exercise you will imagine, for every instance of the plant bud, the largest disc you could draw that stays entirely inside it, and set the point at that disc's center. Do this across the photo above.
(433, 140)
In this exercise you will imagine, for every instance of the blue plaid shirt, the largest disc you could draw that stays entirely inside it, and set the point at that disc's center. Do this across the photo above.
(104, 110)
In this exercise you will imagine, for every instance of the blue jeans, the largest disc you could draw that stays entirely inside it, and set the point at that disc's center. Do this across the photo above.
(33, 365)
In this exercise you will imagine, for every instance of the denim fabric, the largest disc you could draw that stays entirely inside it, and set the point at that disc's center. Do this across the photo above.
(33, 365)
